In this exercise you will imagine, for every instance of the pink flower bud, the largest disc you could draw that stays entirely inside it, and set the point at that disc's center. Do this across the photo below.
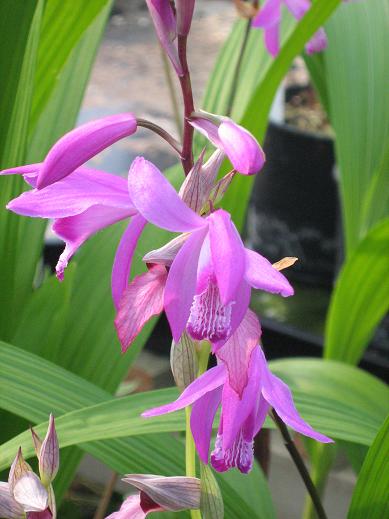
(49, 455)
(184, 10)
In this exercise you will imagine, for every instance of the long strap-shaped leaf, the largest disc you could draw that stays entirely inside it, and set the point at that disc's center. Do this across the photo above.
(370, 498)
(340, 400)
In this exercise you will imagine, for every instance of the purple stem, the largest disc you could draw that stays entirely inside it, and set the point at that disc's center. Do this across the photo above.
(187, 95)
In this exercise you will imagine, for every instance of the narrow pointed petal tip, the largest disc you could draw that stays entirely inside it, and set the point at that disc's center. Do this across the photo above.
(49, 454)
(317, 43)
(81, 144)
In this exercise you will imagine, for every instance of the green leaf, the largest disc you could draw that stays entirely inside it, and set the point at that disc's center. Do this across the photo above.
(370, 497)
(360, 298)
(357, 75)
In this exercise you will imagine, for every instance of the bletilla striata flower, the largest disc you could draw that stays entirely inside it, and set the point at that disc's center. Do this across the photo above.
(269, 19)
(245, 389)
(158, 494)
(207, 288)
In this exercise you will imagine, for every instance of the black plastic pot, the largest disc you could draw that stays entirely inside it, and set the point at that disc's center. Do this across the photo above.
(294, 206)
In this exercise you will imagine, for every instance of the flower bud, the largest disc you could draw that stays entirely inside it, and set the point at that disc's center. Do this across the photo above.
(19, 468)
(183, 361)
(240, 146)
(184, 13)
(49, 455)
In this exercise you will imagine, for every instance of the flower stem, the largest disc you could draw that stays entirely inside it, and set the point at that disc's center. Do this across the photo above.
(300, 465)
(190, 457)
(187, 95)
(161, 132)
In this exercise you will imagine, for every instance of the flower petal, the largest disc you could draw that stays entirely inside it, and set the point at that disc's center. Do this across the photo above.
(75, 230)
(165, 255)
(279, 396)
(209, 381)
(181, 283)
(268, 15)
(317, 43)
(261, 274)
(29, 172)
(272, 40)
(9, 508)
(228, 254)
(170, 493)
(123, 258)
(155, 198)
(29, 492)
(74, 194)
(83, 143)
(236, 409)
(164, 21)
(236, 352)
(49, 454)
(298, 7)
(140, 301)
(131, 508)
(208, 129)
(241, 147)
(201, 420)
(184, 10)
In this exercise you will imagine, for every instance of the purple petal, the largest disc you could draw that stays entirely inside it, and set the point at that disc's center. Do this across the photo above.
(262, 275)
(272, 40)
(201, 420)
(131, 508)
(210, 380)
(46, 514)
(208, 129)
(317, 43)
(298, 7)
(75, 230)
(228, 254)
(236, 409)
(83, 143)
(166, 254)
(268, 15)
(164, 21)
(9, 508)
(29, 172)
(122, 263)
(241, 147)
(236, 352)
(278, 395)
(181, 283)
(29, 492)
(140, 301)
(74, 194)
(155, 198)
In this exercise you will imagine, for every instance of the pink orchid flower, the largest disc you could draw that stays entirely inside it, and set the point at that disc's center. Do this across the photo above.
(158, 494)
(269, 19)
(207, 288)
(245, 388)
(81, 204)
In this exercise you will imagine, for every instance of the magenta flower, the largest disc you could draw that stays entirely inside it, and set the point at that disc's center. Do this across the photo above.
(207, 289)
(158, 494)
(240, 146)
(245, 388)
(83, 143)
(269, 19)
(81, 204)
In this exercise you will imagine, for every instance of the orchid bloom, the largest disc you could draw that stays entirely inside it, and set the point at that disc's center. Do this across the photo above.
(207, 289)
(169, 24)
(269, 19)
(25, 496)
(81, 204)
(158, 494)
(245, 388)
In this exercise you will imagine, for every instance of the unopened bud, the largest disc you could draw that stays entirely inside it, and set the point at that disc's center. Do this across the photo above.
(183, 361)
(49, 455)
(184, 14)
